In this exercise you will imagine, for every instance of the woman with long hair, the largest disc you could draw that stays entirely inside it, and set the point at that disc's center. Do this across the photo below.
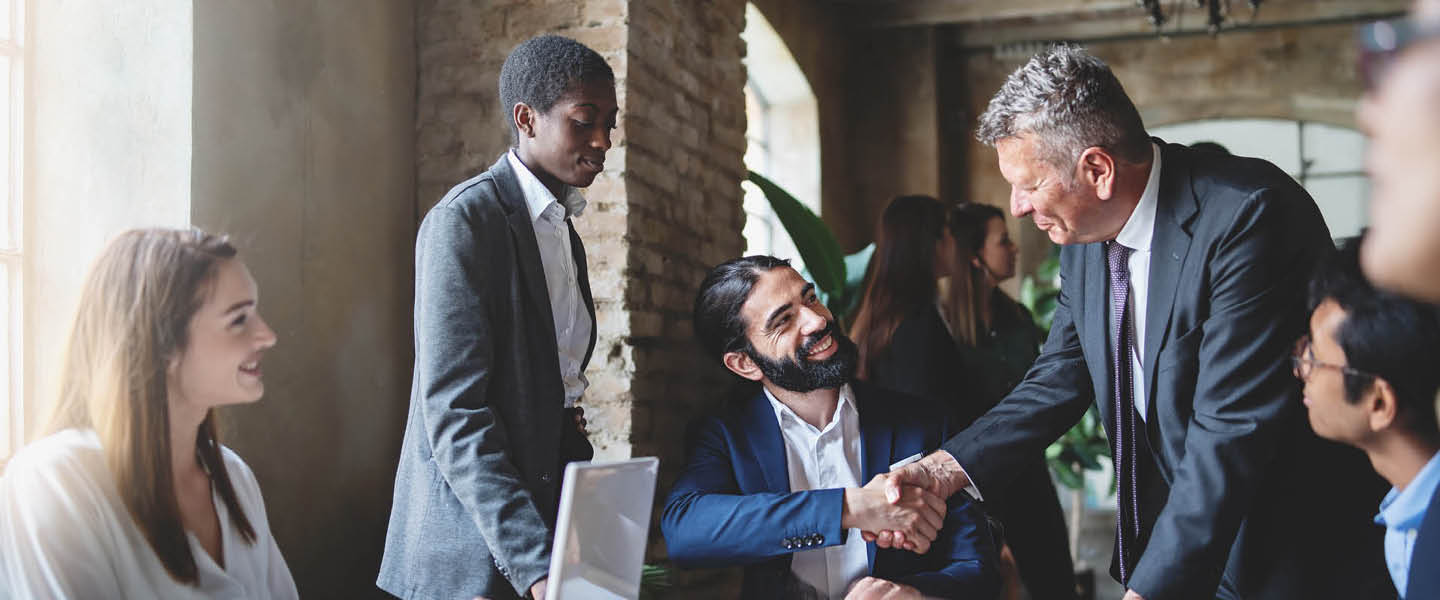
(129, 493)
(998, 340)
(902, 339)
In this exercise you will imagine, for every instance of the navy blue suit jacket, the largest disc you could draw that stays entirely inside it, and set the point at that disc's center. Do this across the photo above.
(732, 503)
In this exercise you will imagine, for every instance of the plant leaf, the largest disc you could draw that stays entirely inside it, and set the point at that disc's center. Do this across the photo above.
(813, 239)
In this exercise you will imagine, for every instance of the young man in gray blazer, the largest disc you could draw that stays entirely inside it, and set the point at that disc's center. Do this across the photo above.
(504, 326)
(1183, 293)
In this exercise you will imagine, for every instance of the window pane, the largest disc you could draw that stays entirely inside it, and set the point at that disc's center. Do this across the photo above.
(1333, 149)
(9, 216)
(6, 17)
(1343, 202)
(7, 368)
(1274, 140)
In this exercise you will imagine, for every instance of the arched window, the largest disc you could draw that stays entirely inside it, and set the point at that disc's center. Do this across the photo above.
(782, 134)
(1328, 160)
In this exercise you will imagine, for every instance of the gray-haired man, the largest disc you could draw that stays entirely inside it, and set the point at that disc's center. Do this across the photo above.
(1184, 280)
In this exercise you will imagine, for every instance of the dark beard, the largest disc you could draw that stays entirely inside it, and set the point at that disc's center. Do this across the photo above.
(803, 376)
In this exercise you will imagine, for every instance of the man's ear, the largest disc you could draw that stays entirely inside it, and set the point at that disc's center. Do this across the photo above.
(1097, 169)
(1382, 404)
(740, 364)
(524, 117)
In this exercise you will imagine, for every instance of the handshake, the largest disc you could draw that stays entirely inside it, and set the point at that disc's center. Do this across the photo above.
(905, 508)
(911, 521)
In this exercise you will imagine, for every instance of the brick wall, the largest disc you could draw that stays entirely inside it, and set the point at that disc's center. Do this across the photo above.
(667, 207)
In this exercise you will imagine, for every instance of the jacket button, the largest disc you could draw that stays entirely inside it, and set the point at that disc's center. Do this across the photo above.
(544, 478)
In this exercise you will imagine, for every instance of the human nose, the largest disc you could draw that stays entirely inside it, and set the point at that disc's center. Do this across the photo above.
(601, 140)
(264, 336)
(1019, 207)
(812, 321)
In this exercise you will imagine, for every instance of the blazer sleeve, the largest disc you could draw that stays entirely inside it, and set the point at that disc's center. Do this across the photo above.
(708, 522)
(1244, 395)
(454, 353)
(1055, 393)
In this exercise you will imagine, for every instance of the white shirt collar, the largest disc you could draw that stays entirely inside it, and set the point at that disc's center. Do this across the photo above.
(1140, 228)
(845, 403)
(537, 196)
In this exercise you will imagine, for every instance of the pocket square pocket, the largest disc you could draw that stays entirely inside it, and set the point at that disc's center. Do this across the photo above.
(905, 461)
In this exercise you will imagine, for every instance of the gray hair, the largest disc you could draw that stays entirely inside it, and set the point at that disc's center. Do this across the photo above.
(1070, 101)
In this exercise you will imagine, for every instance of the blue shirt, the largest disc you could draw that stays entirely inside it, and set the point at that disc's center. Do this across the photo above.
(1401, 513)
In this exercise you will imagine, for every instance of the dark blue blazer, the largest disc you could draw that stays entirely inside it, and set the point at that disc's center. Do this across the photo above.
(732, 503)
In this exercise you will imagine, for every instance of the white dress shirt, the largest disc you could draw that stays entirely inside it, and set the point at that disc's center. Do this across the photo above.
(562, 281)
(1138, 233)
(818, 459)
(65, 533)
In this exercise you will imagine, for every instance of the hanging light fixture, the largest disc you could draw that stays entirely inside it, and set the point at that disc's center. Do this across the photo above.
(1216, 11)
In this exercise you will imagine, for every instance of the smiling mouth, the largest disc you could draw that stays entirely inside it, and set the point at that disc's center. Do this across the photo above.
(593, 165)
(251, 368)
(822, 347)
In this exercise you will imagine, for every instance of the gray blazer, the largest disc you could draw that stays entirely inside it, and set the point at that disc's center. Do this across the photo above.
(478, 480)
(1251, 503)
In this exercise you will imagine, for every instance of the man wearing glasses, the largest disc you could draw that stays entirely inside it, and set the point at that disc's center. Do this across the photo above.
(1368, 368)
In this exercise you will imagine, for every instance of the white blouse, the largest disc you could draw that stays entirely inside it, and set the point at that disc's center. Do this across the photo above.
(65, 533)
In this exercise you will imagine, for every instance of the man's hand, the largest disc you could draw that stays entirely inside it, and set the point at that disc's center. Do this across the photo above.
(918, 514)
(1131, 595)
(537, 591)
(871, 588)
(937, 473)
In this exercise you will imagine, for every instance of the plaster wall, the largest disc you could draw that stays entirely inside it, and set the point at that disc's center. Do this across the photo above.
(304, 153)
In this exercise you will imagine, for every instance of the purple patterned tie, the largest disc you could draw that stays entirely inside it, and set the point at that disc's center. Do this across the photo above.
(1127, 513)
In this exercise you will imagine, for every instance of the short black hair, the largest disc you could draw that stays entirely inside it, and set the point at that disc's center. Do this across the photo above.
(718, 323)
(1383, 334)
(541, 70)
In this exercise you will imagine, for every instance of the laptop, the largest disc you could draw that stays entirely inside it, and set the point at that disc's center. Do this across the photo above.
(602, 530)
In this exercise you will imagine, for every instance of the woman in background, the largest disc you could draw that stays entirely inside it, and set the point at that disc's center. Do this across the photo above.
(997, 341)
(129, 494)
(903, 343)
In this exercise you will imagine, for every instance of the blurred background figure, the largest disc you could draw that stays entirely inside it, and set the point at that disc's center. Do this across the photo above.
(998, 340)
(129, 494)
(904, 345)
(1401, 113)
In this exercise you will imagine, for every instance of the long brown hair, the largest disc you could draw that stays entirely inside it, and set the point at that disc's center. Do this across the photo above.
(902, 273)
(969, 225)
(133, 319)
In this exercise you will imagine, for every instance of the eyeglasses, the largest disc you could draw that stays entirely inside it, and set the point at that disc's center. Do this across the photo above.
(1380, 42)
(1303, 362)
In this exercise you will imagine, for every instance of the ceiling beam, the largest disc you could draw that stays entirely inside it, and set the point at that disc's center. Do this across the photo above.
(1272, 14)
(1048, 14)
(901, 13)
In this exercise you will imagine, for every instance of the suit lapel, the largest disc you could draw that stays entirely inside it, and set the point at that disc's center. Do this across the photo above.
(876, 448)
(527, 250)
(577, 249)
(1096, 338)
(1169, 247)
(767, 443)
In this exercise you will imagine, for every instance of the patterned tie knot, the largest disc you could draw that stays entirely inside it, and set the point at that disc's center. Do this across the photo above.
(1119, 255)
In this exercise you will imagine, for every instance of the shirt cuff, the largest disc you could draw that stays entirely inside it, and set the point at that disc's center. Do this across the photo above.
(971, 489)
